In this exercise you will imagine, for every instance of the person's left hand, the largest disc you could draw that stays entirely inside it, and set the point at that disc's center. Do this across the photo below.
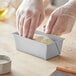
(29, 16)
(60, 21)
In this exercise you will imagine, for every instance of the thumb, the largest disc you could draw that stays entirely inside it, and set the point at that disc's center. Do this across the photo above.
(50, 23)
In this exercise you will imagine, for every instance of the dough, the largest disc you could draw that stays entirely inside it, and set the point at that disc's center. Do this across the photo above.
(43, 39)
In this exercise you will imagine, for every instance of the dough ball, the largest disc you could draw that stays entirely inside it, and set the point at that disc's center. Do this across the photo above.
(43, 39)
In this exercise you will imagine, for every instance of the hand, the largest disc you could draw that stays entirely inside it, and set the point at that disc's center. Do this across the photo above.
(60, 21)
(29, 16)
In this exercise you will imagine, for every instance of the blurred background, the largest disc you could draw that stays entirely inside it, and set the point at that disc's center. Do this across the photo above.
(8, 8)
(59, 2)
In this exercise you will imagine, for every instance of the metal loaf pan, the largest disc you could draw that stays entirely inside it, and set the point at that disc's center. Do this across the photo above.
(38, 49)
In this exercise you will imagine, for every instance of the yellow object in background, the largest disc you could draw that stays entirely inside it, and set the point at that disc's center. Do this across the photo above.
(8, 8)
(4, 5)
(3, 11)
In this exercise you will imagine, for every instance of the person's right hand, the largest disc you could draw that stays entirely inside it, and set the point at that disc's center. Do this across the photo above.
(29, 16)
(61, 20)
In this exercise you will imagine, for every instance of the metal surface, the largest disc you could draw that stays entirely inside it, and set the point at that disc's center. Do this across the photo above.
(59, 73)
(58, 40)
(35, 48)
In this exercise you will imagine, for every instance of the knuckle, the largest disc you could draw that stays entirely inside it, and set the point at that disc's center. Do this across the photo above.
(36, 12)
(28, 12)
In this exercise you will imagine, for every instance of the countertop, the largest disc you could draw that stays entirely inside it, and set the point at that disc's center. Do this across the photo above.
(27, 65)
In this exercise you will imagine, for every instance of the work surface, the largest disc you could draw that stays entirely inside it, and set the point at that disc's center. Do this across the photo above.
(28, 65)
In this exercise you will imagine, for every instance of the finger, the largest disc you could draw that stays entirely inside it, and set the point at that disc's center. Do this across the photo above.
(27, 22)
(44, 28)
(18, 19)
(26, 27)
(34, 23)
(40, 19)
(50, 23)
(21, 25)
(17, 15)
(20, 29)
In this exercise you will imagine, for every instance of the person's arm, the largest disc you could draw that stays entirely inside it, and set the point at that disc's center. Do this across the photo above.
(29, 16)
(61, 20)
